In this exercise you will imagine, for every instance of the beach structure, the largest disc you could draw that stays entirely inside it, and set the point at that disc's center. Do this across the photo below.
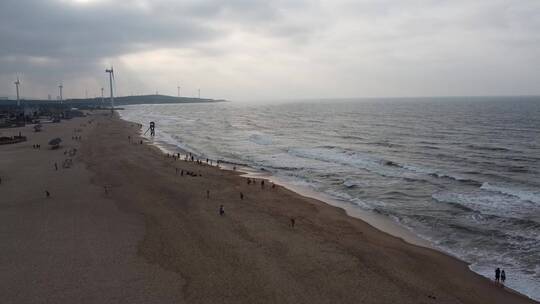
(152, 129)
(111, 77)
(17, 84)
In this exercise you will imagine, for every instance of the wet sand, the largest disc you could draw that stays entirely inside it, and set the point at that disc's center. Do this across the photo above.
(122, 227)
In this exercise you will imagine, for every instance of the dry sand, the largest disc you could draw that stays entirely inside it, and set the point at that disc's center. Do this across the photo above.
(154, 236)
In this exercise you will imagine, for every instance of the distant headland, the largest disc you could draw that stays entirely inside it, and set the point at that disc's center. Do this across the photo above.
(99, 102)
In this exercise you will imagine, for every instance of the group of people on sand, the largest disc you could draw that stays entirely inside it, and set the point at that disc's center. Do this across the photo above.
(187, 173)
(254, 181)
(500, 276)
(190, 157)
(37, 146)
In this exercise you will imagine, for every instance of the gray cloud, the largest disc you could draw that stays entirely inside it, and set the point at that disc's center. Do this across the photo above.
(413, 47)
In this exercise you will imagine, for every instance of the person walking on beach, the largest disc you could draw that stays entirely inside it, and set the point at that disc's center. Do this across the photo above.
(55, 167)
(221, 210)
(497, 274)
(241, 196)
(503, 276)
(207, 194)
(293, 221)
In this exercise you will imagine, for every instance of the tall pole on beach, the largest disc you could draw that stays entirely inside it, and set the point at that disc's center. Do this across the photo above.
(17, 83)
(111, 85)
(60, 87)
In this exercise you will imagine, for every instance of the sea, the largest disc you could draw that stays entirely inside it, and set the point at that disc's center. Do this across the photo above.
(461, 173)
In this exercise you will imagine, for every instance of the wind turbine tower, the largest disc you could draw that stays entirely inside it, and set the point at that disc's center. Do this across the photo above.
(17, 83)
(111, 76)
(178, 90)
(102, 101)
(60, 87)
(199, 93)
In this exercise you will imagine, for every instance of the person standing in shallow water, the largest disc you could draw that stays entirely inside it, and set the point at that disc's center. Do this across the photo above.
(497, 274)
(503, 276)
(221, 210)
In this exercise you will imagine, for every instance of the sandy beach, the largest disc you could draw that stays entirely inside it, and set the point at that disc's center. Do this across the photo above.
(123, 225)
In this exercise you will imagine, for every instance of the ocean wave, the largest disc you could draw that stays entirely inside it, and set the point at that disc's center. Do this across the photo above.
(524, 195)
(469, 181)
(347, 158)
(352, 137)
(386, 168)
(384, 144)
(496, 204)
(261, 139)
(429, 147)
(369, 205)
(351, 183)
(487, 148)
(438, 174)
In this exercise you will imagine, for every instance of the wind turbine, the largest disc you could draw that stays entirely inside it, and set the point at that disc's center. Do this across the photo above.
(17, 83)
(60, 87)
(102, 101)
(178, 90)
(111, 77)
(199, 93)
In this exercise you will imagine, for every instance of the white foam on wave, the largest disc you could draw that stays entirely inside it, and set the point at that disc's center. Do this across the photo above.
(261, 139)
(524, 195)
(439, 174)
(347, 158)
(487, 204)
(363, 204)
(350, 183)
(418, 169)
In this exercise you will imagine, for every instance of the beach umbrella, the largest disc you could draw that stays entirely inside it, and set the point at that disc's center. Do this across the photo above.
(55, 141)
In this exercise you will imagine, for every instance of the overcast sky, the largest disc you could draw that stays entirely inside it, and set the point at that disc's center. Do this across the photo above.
(254, 49)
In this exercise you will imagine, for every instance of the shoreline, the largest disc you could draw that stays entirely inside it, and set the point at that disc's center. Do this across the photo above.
(379, 222)
(122, 225)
